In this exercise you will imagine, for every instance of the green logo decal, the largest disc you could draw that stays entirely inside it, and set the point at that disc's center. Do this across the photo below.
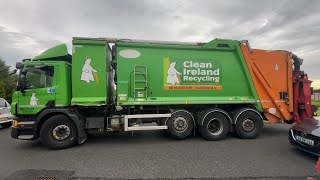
(34, 101)
(89, 74)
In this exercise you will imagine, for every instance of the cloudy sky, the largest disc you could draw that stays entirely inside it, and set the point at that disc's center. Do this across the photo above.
(29, 27)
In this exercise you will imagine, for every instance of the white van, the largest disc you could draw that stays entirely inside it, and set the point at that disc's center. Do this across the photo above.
(5, 115)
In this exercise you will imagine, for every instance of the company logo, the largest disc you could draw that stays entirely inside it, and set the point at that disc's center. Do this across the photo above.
(181, 74)
(89, 74)
(34, 101)
(173, 75)
(303, 134)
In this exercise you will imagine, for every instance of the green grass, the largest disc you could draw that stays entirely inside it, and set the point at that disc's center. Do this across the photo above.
(316, 103)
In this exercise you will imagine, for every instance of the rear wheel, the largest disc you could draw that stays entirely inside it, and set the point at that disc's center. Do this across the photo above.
(6, 125)
(58, 132)
(215, 126)
(180, 124)
(248, 125)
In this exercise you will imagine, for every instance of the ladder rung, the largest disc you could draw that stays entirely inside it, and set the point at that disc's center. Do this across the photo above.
(140, 77)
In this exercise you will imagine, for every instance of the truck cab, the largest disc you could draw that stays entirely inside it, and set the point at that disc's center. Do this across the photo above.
(44, 83)
(58, 100)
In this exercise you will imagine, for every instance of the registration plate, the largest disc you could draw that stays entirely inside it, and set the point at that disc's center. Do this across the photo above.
(305, 140)
(3, 118)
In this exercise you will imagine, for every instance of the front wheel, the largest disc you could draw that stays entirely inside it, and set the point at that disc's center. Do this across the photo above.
(58, 132)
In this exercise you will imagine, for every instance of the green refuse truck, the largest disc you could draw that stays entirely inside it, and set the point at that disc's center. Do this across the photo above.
(109, 85)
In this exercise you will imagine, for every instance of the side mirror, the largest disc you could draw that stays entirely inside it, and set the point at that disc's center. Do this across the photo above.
(19, 65)
(13, 72)
(24, 71)
(22, 81)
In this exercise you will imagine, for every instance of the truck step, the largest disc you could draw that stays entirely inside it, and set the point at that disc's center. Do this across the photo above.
(142, 128)
(140, 73)
(148, 116)
(25, 137)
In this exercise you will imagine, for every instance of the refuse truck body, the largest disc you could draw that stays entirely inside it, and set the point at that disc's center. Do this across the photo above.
(111, 85)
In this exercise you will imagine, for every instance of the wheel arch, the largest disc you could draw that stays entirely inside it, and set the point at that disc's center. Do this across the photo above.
(240, 111)
(212, 110)
(182, 110)
(48, 113)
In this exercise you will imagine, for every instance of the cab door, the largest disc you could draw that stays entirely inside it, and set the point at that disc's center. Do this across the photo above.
(39, 91)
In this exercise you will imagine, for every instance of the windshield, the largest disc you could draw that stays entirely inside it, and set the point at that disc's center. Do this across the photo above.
(3, 103)
(39, 77)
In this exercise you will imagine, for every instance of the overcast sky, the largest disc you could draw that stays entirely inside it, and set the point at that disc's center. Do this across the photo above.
(29, 27)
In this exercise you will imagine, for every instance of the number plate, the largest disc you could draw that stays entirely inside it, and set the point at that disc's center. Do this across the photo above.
(305, 140)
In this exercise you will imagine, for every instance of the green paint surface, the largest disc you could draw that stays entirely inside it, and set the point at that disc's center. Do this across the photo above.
(228, 81)
(56, 51)
(89, 73)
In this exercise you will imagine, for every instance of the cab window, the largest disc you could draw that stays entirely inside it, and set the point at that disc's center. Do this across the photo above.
(39, 77)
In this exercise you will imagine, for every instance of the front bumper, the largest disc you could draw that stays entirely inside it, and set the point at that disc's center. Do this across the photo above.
(23, 130)
(6, 121)
(315, 150)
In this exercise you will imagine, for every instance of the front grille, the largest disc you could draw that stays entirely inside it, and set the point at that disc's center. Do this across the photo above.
(307, 136)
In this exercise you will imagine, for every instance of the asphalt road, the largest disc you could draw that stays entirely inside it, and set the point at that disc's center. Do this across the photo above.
(154, 155)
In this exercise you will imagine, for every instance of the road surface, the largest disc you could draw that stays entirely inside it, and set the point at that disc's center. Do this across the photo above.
(154, 155)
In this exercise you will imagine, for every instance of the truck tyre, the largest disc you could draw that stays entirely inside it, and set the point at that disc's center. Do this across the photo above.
(58, 132)
(6, 125)
(180, 124)
(215, 127)
(248, 125)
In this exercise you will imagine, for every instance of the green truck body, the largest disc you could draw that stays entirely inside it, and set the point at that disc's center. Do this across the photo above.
(207, 74)
(112, 85)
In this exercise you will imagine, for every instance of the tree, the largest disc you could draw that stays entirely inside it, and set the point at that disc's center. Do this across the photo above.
(7, 82)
